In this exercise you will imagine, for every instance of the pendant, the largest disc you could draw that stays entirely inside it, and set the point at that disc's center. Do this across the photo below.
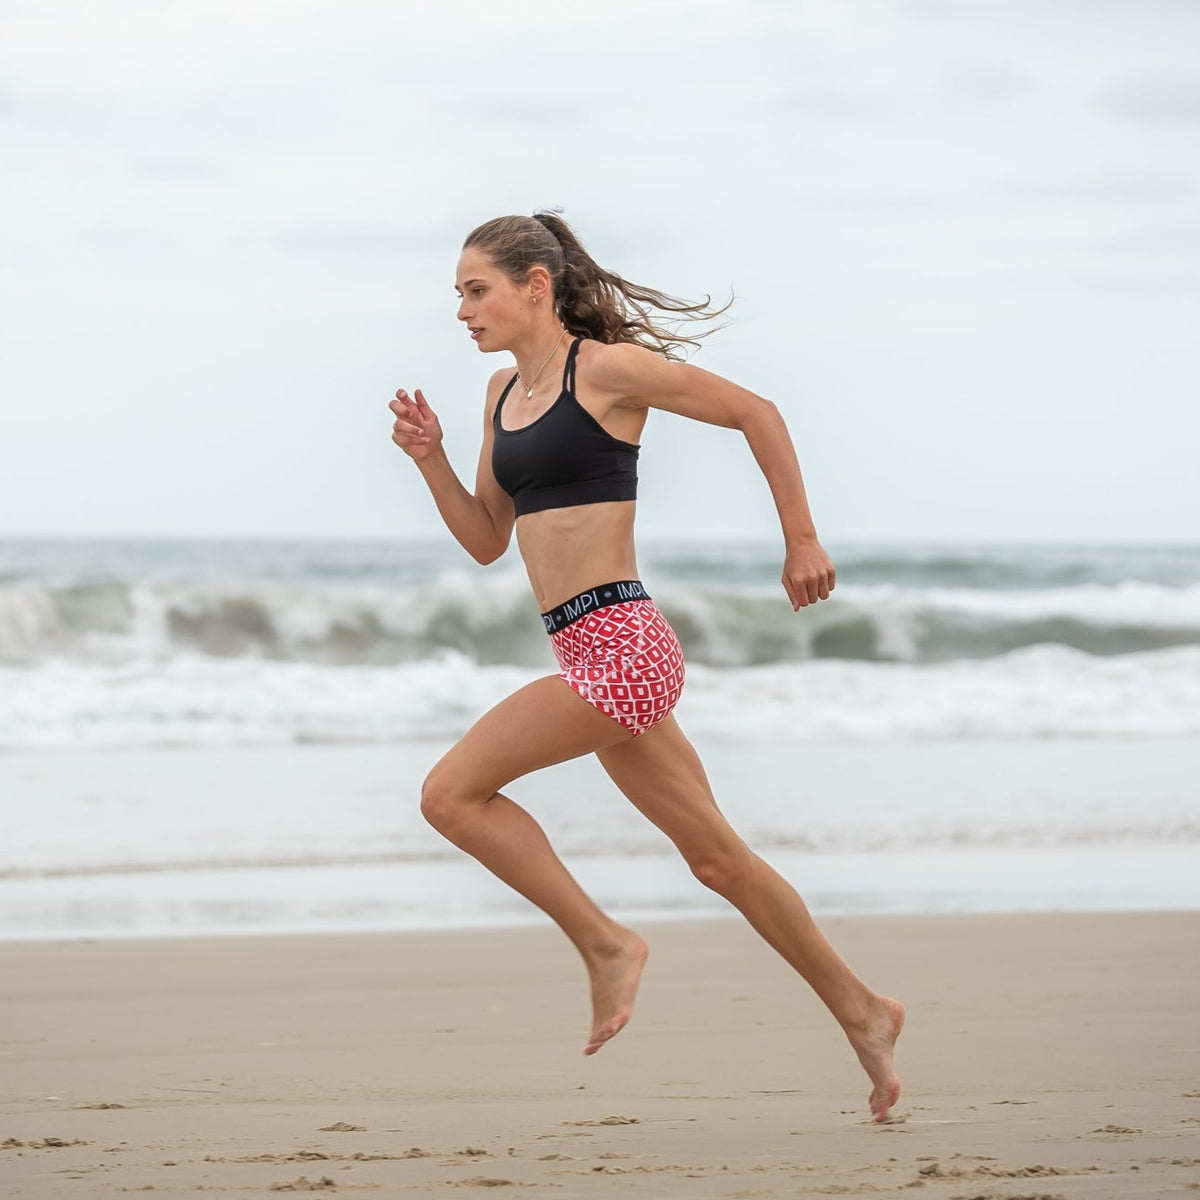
(529, 393)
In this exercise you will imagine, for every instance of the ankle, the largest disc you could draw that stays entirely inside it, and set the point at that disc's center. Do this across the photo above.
(609, 944)
(859, 1015)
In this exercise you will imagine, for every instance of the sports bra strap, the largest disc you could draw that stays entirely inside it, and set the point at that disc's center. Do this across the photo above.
(508, 387)
(569, 367)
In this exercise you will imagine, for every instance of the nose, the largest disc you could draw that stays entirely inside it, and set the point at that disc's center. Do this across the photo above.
(462, 309)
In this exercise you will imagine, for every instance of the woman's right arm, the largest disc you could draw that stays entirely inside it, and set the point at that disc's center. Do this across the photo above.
(482, 523)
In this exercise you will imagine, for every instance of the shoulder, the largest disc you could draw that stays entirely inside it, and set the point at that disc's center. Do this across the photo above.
(619, 359)
(623, 370)
(496, 384)
(634, 377)
(499, 378)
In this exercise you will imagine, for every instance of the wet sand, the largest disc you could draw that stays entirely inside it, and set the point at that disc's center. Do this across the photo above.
(1044, 1056)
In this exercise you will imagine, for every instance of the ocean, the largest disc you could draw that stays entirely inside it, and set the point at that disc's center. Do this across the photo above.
(229, 736)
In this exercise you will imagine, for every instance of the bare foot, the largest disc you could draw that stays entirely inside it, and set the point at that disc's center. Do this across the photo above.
(874, 1044)
(615, 977)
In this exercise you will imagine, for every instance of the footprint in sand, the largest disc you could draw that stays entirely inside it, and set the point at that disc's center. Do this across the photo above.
(50, 1143)
(608, 1121)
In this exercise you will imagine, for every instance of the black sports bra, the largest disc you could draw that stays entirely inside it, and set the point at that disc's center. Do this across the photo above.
(565, 457)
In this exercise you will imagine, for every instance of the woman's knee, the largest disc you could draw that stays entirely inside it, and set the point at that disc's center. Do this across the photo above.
(723, 869)
(444, 799)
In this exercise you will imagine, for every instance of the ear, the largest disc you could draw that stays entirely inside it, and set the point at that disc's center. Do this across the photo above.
(538, 283)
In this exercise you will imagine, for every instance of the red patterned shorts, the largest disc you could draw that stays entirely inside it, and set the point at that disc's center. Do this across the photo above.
(621, 656)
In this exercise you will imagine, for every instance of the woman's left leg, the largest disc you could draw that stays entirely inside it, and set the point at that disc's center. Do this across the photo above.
(662, 775)
(543, 723)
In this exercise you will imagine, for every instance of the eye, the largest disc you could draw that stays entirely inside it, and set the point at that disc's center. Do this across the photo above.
(477, 291)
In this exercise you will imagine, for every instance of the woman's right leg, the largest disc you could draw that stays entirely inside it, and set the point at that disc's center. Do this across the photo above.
(543, 723)
(662, 775)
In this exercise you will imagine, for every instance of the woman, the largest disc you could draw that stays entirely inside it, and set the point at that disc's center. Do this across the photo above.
(558, 463)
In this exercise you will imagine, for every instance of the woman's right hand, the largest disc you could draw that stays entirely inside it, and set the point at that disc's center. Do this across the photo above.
(416, 429)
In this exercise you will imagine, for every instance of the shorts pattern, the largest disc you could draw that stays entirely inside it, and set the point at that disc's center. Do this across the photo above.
(624, 660)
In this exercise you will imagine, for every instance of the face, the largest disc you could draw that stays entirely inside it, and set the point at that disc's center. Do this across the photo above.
(494, 308)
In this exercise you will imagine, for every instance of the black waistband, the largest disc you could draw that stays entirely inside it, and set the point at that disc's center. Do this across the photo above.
(602, 596)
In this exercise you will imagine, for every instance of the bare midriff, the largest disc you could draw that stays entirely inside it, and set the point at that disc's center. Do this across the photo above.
(569, 550)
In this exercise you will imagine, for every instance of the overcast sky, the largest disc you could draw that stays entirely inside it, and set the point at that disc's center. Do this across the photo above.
(964, 237)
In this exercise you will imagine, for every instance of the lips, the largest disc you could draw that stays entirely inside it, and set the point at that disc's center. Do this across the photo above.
(475, 332)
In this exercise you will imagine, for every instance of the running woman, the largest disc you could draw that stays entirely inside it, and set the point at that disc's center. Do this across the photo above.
(559, 465)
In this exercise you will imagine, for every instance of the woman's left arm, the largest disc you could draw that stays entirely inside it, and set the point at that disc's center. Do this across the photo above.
(808, 572)
(635, 377)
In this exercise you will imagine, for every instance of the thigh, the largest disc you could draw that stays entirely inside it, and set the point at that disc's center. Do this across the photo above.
(661, 774)
(543, 723)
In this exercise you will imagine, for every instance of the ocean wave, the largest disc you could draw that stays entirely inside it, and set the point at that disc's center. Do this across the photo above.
(196, 700)
(494, 621)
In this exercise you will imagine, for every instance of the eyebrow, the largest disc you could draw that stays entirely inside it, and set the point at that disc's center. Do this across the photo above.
(466, 284)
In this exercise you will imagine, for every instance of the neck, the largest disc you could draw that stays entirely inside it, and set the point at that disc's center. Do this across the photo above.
(536, 356)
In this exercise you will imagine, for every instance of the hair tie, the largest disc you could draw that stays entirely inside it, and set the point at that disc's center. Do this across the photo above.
(555, 210)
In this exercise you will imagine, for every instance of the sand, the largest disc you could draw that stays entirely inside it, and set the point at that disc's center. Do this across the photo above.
(1045, 1056)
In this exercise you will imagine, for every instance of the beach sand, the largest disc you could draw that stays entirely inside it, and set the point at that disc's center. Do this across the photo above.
(1045, 1056)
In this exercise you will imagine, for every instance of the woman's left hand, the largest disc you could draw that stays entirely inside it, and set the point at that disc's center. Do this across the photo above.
(808, 574)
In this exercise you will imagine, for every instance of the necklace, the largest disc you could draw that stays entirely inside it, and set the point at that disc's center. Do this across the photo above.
(529, 386)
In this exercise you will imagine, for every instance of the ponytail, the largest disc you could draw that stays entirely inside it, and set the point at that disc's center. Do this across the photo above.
(590, 301)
